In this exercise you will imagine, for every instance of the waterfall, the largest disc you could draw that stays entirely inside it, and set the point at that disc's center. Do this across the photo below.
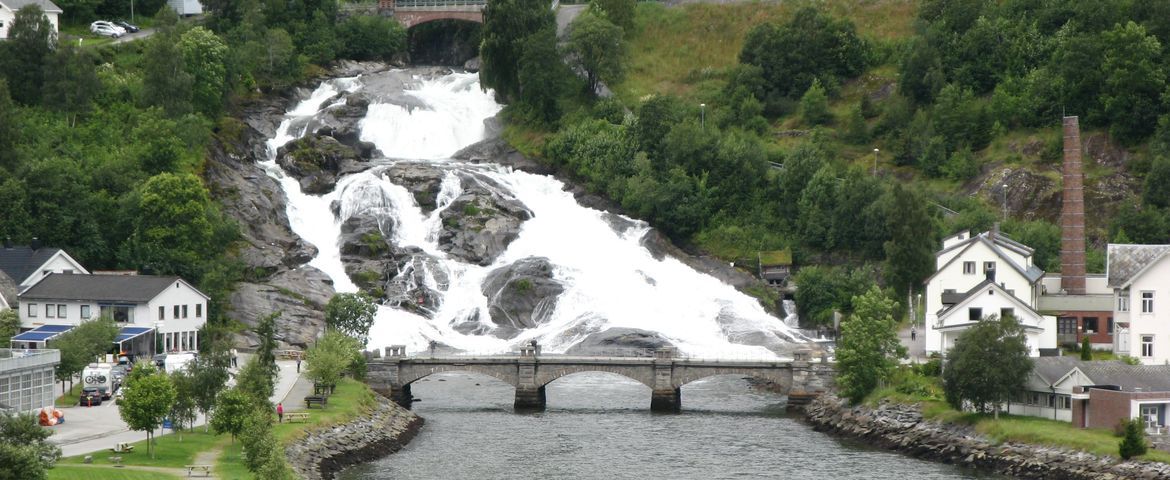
(609, 278)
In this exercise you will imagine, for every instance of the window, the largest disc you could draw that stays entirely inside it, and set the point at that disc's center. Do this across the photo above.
(176, 312)
(32, 310)
(198, 310)
(988, 266)
(1090, 324)
(67, 271)
(120, 313)
(1063, 402)
(1123, 301)
(975, 314)
(184, 311)
(1147, 302)
(1066, 325)
(1109, 325)
(62, 311)
(85, 312)
(50, 310)
(162, 313)
(1147, 346)
(968, 268)
(1007, 312)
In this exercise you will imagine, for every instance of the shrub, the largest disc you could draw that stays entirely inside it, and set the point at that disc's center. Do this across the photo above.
(367, 37)
(1134, 443)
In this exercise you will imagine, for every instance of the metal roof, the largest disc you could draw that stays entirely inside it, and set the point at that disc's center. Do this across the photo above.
(1149, 378)
(108, 288)
(1126, 262)
(20, 262)
(45, 5)
(129, 333)
(42, 333)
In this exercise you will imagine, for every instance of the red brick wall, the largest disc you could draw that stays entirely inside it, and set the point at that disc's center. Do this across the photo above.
(1100, 335)
(1108, 407)
(1072, 213)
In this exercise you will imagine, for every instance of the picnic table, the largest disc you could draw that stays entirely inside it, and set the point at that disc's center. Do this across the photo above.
(206, 469)
(297, 416)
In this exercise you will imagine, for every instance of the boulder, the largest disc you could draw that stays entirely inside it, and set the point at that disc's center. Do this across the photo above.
(424, 181)
(416, 282)
(315, 160)
(521, 295)
(481, 222)
(300, 295)
(620, 341)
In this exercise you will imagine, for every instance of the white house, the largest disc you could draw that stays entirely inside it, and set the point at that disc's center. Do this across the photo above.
(1140, 278)
(982, 275)
(1049, 389)
(143, 305)
(26, 265)
(8, 10)
(186, 7)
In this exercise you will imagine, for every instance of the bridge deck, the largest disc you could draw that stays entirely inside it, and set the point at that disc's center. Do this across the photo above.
(589, 360)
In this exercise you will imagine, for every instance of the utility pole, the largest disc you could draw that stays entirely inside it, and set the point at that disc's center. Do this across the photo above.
(875, 155)
(1003, 192)
(703, 116)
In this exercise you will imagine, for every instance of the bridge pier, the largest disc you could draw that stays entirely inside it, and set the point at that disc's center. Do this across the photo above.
(529, 394)
(669, 400)
(402, 396)
(666, 396)
(529, 400)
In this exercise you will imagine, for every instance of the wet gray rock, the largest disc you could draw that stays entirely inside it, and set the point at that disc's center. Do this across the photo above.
(472, 65)
(315, 161)
(422, 180)
(481, 222)
(300, 295)
(416, 282)
(521, 295)
(620, 341)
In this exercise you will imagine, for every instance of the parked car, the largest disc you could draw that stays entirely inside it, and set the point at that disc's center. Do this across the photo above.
(130, 27)
(90, 397)
(118, 396)
(105, 31)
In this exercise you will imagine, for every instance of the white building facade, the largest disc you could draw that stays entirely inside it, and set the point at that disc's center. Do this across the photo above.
(8, 10)
(168, 305)
(1140, 278)
(984, 274)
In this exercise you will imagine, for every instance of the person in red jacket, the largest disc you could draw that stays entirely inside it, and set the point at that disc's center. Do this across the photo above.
(280, 413)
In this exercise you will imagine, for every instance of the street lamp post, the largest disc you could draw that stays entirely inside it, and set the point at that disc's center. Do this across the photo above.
(1003, 195)
(703, 116)
(875, 155)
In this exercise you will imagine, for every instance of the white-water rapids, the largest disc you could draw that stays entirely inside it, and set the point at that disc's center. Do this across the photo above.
(609, 278)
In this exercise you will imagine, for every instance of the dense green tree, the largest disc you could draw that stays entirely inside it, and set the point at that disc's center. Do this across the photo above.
(799, 168)
(159, 147)
(960, 119)
(818, 208)
(827, 289)
(1134, 80)
(204, 58)
(9, 127)
(166, 82)
(961, 165)
(25, 451)
(618, 12)
(542, 77)
(14, 210)
(265, 457)
(351, 314)
(175, 226)
(232, 407)
(868, 350)
(183, 410)
(364, 37)
(814, 105)
(655, 117)
(82, 344)
(1133, 444)
(596, 47)
(331, 356)
(255, 380)
(9, 325)
(1156, 191)
(70, 82)
(910, 250)
(1143, 225)
(1043, 237)
(319, 40)
(272, 59)
(148, 398)
(31, 38)
(810, 46)
(856, 131)
(506, 24)
(988, 365)
(920, 76)
(209, 377)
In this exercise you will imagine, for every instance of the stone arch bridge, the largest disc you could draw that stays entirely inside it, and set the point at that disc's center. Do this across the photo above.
(665, 374)
(413, 12)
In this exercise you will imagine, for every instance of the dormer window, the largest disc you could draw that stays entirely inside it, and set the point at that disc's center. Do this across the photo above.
(968, 268)
(987, 266)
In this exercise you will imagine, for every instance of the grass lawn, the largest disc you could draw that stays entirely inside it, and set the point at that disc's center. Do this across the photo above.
(169, 451)
(90, 473)
(70, 399)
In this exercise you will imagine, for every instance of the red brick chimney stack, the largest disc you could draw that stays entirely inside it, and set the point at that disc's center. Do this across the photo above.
(1072, 213)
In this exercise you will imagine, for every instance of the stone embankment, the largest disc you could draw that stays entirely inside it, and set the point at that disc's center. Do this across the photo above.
(323, 453)
(901, 427)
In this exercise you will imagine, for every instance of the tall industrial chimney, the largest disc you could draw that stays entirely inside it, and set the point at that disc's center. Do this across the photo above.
(1072, 213)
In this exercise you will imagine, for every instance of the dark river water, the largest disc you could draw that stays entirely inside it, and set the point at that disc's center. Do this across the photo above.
(599, 426)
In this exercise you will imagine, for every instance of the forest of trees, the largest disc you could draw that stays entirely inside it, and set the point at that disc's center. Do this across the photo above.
(102, 148)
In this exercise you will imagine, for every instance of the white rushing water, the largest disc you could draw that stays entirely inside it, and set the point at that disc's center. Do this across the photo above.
(610, 279)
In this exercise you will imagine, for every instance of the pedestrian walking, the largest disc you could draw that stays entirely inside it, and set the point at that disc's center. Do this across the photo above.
(280, 413)
(913, 334)
(234, 357)
(298, 364)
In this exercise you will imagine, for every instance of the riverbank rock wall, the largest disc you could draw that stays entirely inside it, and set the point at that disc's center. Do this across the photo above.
(323, 453)
(902, 427)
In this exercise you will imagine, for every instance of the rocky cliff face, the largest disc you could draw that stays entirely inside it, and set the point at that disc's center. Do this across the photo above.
(902, 428)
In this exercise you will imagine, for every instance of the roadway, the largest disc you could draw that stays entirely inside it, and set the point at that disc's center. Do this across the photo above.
(92, 429)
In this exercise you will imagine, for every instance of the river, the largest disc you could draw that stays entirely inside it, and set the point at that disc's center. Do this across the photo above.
(599, 426)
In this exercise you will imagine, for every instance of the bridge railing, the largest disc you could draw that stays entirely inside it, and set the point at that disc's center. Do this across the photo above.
(437, 4)
(621, 352)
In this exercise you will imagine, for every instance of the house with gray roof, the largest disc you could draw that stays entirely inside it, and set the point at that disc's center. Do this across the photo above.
(144, 306)
(8, 9)
(1048, 391)
(24, 265)
(1139, 276)
(982, 275)
(1116, 391)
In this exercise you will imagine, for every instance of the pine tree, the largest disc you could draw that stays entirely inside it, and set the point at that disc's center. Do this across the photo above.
(1134, 443)
(910, 250)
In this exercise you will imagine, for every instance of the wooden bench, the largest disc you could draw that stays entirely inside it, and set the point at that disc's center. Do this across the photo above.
(323, 389)
(206, 469)
(321, 400)
(297, 416)
(122, 447)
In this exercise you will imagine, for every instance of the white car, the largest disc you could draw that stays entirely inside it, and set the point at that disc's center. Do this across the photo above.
(106, 29)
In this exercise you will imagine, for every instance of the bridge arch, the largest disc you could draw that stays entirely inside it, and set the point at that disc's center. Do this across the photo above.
(548, 374)
(414, 373)
(783, 377)
(410, 19)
